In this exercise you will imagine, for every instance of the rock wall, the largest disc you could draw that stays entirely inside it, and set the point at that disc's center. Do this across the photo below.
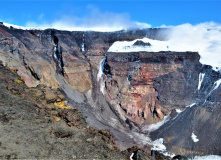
(148, 85)
(38, 54)
(201, 119)
(34, 52)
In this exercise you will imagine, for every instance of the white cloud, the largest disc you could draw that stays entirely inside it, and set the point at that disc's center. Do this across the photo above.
(204, 38)
(95, 20)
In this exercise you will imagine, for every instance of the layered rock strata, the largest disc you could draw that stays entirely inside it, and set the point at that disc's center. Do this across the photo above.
(148, 85)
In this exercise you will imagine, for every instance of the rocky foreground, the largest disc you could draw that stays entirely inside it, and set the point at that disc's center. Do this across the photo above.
(35, 123)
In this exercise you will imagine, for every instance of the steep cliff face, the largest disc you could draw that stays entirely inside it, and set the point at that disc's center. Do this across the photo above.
(148, 85)
(196, 130)
(40, 55)
(130, 93)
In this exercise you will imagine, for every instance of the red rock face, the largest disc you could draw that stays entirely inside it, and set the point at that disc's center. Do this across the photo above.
(133, 78)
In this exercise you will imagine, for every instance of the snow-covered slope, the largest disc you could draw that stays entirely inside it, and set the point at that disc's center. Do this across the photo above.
(66, 28)
(24, 28)
(130, 46)
(210, 55)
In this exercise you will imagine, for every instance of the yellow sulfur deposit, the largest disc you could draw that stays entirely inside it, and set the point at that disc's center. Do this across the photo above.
(20, 81)
(55, 119)
(14, 70)
(59, 103)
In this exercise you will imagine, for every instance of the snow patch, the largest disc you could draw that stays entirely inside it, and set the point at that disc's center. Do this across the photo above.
(216, 85)
(4, 64)
(178, 110)
(159, 146)
(83, 50)
(209, 157)
(55, 55)
(194, 138)
(99, 77)
(155, 126)
(201, 76)
(131, 156)
(101, 68)
(191, 105)
(141, 138)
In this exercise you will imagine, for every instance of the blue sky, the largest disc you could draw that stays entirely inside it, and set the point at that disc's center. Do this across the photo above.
(94, 13)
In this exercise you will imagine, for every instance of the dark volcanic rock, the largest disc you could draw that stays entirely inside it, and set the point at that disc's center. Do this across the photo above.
(202, 120)
(159, 156)
(179, 157)
(141, 43)
(141, 155)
